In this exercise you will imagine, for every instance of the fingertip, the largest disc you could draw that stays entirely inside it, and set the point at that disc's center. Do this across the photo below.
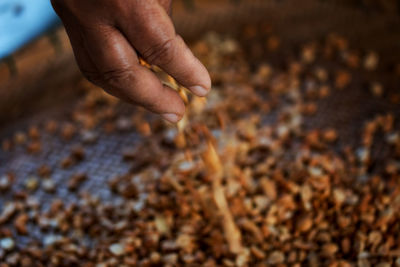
(171, 117)
(203, 85)
(199, 90)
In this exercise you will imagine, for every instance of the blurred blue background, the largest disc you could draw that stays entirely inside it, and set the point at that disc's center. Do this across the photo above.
(23, 20)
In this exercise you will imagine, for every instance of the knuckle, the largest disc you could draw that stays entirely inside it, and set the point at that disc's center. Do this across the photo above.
(161, 54)
(92, 76)
(114, 78)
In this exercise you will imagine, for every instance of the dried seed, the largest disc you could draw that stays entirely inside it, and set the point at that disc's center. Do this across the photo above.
(78, 153)
(269, 188)
(32, 183)
(20, 223)
(34, 147)
(89, 137)
(68, 130)
(117, 249)
(33, 132)
(7, 243)
(51, 126)
(20, 138)
(48, 185)
(371, 61)
(304, 223)
(329, 250)
(5, 183)
(276, 257)
(76, 180)
(343, 79)
(44, 171)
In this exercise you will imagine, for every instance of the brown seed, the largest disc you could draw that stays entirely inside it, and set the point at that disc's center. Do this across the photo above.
(78, 153)
(276, 257)
(51, 126)
(330, 135)
(343, 79)
(6, 145)
(33, 132)
(376, 89)
(34, 147)
(329, 250)
(346, 245)
(76, 180)
(66, 162)
(304, 224)
(257, 252)
(32, 183)
(144, 128)
(68, 130)
(20, 223)
(371, 61)
(269, 188)
(273, 43)
(44, 171)
(20, 138)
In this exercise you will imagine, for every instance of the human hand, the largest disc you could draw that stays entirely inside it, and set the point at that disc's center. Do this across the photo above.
(108, 36)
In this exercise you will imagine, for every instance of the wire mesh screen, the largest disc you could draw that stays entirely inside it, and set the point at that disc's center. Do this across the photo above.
(320, 70)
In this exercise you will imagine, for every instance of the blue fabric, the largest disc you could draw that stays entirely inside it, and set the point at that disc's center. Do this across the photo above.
(23, 20)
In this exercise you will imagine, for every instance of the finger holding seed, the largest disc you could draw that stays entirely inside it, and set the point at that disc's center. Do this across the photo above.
(109, 36)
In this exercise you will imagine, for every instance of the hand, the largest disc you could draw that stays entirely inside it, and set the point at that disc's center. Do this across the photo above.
(107, 37)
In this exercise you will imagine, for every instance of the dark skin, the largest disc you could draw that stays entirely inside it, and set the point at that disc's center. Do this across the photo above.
(108, 36)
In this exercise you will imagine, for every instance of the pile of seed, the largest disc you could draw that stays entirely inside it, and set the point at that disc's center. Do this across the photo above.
(242, 181)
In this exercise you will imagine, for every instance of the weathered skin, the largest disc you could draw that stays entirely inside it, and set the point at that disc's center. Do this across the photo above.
(107, 37)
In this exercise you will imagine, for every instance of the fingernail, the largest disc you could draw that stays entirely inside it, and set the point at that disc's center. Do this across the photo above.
(171, 117)
(198, 90)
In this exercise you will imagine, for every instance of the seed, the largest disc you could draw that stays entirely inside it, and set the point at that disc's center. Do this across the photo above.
(144, 128)
(20, 138)
(330, 135)
(20, 223)
(304, 224)
(78, 153)
(51, 126)
(48, 185)
(269, 188)
(89, 137)
(66, 162)
(276, 257)
(7, 243)
(33, 132)
(44, 171)
(371, 61)
(376, 89)
(343, 79)
(123, 124)
(68, 130)
(273, 43)
(257, 252)
(32, 183)
(76, 180)
(117, 249)
(329, 250)
(6, 145)
(161, 225)
(5, 183)
(34, 147)
(170, 258)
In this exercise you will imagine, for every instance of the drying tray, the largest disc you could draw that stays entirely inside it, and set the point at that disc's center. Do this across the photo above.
(38, 83)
